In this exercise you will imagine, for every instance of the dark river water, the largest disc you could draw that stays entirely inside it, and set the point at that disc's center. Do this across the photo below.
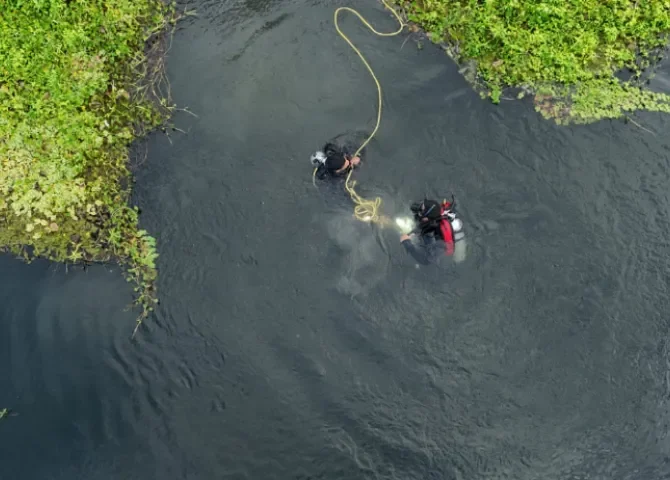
(293, 342)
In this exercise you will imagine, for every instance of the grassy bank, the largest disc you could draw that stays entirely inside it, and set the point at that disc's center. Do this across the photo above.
(78, 83)
(565, 52)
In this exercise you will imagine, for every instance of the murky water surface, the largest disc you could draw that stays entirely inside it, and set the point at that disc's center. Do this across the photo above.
(294, 343)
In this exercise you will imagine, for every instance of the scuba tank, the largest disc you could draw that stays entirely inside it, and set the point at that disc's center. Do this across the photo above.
(449, 213)
(318, 159)
(453, 232)
(451, 226)
(457, 225)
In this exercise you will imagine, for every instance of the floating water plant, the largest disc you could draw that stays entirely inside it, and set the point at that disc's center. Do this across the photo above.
(79, 81)
(564, 52)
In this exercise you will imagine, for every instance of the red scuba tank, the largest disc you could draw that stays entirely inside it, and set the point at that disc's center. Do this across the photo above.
(446, 229)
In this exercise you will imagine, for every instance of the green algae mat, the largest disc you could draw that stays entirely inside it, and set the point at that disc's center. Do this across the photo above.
(565, 52)
(78, 83)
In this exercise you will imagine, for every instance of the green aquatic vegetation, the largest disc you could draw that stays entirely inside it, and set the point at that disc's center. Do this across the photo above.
(565, 52)
(79, 81)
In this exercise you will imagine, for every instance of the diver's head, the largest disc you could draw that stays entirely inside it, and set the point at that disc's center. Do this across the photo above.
(426, 210)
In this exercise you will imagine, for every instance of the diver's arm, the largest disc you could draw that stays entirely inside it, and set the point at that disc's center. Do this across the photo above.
(420, 254)
(321, 172)
(416, 231)
(351, 164)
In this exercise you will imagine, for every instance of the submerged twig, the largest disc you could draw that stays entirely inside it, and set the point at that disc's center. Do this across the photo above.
(637, 124)
(405, 41)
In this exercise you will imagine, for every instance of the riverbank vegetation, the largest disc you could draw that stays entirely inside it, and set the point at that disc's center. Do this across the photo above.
(79, 81)
(565, 52)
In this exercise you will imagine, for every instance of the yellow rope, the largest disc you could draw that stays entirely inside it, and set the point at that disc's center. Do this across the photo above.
(366, 210)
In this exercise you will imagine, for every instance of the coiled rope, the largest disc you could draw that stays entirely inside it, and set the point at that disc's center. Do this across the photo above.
(366, 210)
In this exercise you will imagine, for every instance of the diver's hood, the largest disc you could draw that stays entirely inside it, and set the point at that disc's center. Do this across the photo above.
(318, 158)
(431, 210)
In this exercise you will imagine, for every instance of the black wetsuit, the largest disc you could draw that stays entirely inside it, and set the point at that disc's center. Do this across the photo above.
(331, 150)
(429, 245)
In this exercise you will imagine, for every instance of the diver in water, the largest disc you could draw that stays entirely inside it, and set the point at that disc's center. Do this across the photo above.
(438, 230)
(333, 161)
